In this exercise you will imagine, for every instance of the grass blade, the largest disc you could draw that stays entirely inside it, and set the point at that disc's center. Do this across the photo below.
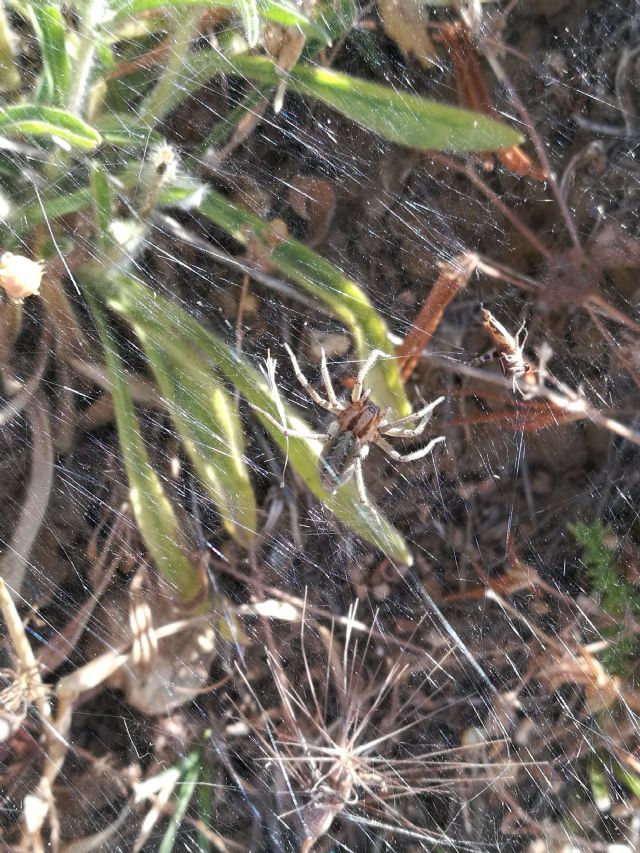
(186, 786)
(34, 120)
(49, 26)
(153, 512)
(248, 11)
(102, 205)
(398, 116)
(323, 281)
(279, 11)
(210, 430)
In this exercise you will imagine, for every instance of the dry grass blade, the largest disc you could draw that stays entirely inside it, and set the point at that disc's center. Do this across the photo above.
(453, 278)
(14, 562)
(473, 92)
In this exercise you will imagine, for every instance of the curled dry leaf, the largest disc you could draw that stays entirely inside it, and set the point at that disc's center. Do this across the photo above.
(405, 22)
(180, 666)
(19, 276)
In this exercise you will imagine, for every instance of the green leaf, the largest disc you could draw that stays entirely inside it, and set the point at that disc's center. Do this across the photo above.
(102, 205)
(160, 317)
(33, 120)
(248, 10)
(35, 212)
(121, 130)
(630, 780)
(9, 72)
(189, 768)
(337, 17)
(49, 26)
(317, 276)
(152, 509)
(398, 116)
(209, 426)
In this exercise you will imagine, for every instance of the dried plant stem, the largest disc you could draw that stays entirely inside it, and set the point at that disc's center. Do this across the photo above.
(473, 93)
(453, 278)
(15, 560)
(498, 70)
(569, 403)
(22, 650)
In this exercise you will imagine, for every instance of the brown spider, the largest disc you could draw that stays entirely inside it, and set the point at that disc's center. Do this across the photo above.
(359, 424)
(508, 350)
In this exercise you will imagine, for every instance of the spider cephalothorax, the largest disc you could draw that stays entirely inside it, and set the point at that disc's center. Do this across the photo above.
(359, 424)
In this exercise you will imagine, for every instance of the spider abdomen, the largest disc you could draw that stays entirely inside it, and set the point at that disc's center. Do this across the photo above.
(336, 459)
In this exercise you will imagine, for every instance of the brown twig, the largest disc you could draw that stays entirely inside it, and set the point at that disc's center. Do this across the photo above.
(453, 278)
(474, 94)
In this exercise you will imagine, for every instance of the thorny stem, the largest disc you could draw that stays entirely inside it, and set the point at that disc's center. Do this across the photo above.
(90, 17)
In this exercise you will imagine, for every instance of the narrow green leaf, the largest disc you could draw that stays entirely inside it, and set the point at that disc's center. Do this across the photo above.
(227, 125)
(34, 213)
(102, 205)
(398, 116)
(186, 786)
(33, 120)
(49, 26)
(210, 429)
(161, 317)
(152, 509)
(337, 16)
(341, 294)
(630, 780)
(123, 131)
(248, 10)
(9, 72)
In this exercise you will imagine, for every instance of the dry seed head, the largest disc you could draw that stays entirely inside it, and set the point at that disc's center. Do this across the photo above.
(164, 161)
(19, 276)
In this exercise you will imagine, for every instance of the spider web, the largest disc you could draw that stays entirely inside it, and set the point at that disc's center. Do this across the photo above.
(465, 702)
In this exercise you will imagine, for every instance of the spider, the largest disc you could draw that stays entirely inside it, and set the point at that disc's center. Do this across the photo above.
(359, 424)
(508, 350)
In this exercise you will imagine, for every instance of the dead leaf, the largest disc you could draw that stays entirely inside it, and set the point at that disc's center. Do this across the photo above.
(405, 22)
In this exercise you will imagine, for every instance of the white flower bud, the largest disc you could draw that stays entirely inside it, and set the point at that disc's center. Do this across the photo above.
(20, 276)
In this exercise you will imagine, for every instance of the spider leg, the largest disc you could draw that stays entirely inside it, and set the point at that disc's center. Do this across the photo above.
(359, 476)
(326, 378)
(374, 355)
(519, 332)
(302, 379)
(290, 433)
(407, 457)
(492, 355)
(423, 416)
